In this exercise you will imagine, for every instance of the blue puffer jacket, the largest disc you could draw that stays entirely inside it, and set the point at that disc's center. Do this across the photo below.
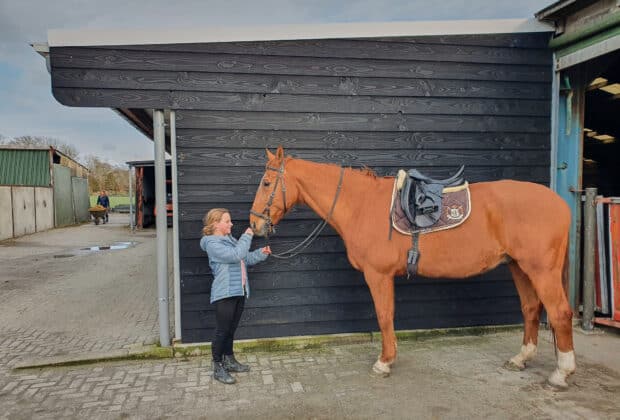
(225, 255)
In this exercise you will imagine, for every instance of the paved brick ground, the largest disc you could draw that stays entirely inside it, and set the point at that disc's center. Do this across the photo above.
(440, 378)
(84, 303)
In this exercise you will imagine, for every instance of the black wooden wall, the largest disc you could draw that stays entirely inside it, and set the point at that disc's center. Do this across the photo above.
(428, 102)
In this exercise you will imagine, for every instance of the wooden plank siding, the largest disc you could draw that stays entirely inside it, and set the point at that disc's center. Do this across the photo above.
(428, 102)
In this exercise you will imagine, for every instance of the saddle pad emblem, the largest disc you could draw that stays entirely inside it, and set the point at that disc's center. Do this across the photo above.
(455, 212)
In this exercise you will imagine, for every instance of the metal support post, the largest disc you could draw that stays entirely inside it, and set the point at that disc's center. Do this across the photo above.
(162, 226)
(175, 230)
(589, 211)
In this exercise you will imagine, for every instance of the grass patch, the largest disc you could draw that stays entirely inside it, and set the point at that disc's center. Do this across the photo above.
(421, 335)
(115, 200)
(275, 345)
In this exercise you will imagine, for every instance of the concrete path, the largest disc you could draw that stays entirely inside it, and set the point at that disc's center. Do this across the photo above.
(58, 299)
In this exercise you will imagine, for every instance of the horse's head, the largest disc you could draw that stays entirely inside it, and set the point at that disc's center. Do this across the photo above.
(270, 203)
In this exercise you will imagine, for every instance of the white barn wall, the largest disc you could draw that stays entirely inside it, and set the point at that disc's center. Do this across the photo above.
(24, 221)
(6, 213)
(44, 208)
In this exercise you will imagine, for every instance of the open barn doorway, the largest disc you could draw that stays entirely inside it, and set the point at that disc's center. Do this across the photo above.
(601, 140)
(601, 168)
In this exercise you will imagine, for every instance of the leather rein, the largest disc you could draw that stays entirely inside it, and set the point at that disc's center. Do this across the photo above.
(266, 216)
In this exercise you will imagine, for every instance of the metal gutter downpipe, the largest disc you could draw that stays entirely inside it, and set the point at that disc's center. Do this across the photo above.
(608, 22)
(159, 135)
(175, 230)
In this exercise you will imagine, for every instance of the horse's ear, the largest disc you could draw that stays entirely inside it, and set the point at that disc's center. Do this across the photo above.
(280, 153)
(270, 156)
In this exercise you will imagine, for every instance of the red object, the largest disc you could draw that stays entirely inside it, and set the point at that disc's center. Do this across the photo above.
(139, 204)
(608, 322)
(614, 232)
(168, 210)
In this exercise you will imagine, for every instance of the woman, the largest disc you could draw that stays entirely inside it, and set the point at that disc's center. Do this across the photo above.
(228, 259)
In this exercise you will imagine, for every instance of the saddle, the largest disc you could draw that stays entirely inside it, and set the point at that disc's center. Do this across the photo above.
(417, 207)
(421, 196)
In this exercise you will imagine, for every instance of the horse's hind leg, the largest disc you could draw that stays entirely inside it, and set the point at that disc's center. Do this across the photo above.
(382, 291)
(548, 286)
(531, 308)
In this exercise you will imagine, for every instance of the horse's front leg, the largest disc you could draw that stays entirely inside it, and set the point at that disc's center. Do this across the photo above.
(382, 291)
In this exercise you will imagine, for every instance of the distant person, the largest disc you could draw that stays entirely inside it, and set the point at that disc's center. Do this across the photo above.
(228, 259)
(104, 201)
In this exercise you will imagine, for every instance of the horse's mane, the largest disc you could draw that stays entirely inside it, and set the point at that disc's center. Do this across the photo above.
(365, 170)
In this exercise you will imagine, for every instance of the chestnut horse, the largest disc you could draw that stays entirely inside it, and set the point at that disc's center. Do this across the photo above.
(522, 224)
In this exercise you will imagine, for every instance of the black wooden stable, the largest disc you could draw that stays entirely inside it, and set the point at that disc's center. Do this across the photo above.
(431, 102)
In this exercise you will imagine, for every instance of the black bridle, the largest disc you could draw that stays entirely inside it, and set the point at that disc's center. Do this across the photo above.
(266, 215)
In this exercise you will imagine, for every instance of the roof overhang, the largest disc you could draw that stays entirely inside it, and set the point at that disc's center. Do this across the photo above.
(142, 119)
(145, 163)
(562, 8)
(94, 37)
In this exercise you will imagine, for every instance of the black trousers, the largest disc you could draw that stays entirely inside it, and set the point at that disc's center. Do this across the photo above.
(227, 315)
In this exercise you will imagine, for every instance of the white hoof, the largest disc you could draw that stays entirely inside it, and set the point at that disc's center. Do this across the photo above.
(381, 369)
(512, 365)
(527, 353)
(558, 379)
(566, 367)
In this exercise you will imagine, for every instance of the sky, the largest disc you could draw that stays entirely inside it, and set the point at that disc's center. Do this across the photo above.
(27, 106)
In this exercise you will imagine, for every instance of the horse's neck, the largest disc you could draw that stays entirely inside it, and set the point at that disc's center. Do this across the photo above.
(317, 184)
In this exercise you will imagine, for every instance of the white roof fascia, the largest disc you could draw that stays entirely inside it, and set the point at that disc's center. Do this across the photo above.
(96, 37)
(41, 47)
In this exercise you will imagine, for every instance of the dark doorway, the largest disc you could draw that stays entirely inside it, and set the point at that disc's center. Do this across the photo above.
(601, 145)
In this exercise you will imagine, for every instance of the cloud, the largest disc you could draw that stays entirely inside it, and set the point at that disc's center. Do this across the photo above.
(27, 105)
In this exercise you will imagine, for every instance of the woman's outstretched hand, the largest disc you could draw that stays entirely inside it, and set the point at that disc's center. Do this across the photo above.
(249, 231)
(266, 250)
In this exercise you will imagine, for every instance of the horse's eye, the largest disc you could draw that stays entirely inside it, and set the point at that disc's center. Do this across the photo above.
(266, 183)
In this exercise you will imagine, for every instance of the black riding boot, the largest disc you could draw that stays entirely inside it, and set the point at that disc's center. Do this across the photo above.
(232, 365)
(220, 373)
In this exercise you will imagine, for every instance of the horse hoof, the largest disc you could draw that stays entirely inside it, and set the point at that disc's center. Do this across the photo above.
(510, 365)
(557, 381)
(376, 373)
(553, 387)
(380, 369)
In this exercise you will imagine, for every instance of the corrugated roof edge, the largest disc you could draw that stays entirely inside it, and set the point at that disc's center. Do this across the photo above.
(54, 150)
(99, 37)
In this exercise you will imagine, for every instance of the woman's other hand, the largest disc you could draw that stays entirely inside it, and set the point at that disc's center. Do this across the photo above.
(249, 231)
(266, 250)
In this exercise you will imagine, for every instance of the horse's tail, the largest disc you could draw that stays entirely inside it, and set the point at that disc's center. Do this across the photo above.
(565, 286)
(565, 268)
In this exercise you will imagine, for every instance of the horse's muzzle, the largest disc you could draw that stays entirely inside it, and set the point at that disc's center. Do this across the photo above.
(259, 227)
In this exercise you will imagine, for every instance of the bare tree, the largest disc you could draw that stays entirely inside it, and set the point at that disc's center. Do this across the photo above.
(104, 175)
(42, 141)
